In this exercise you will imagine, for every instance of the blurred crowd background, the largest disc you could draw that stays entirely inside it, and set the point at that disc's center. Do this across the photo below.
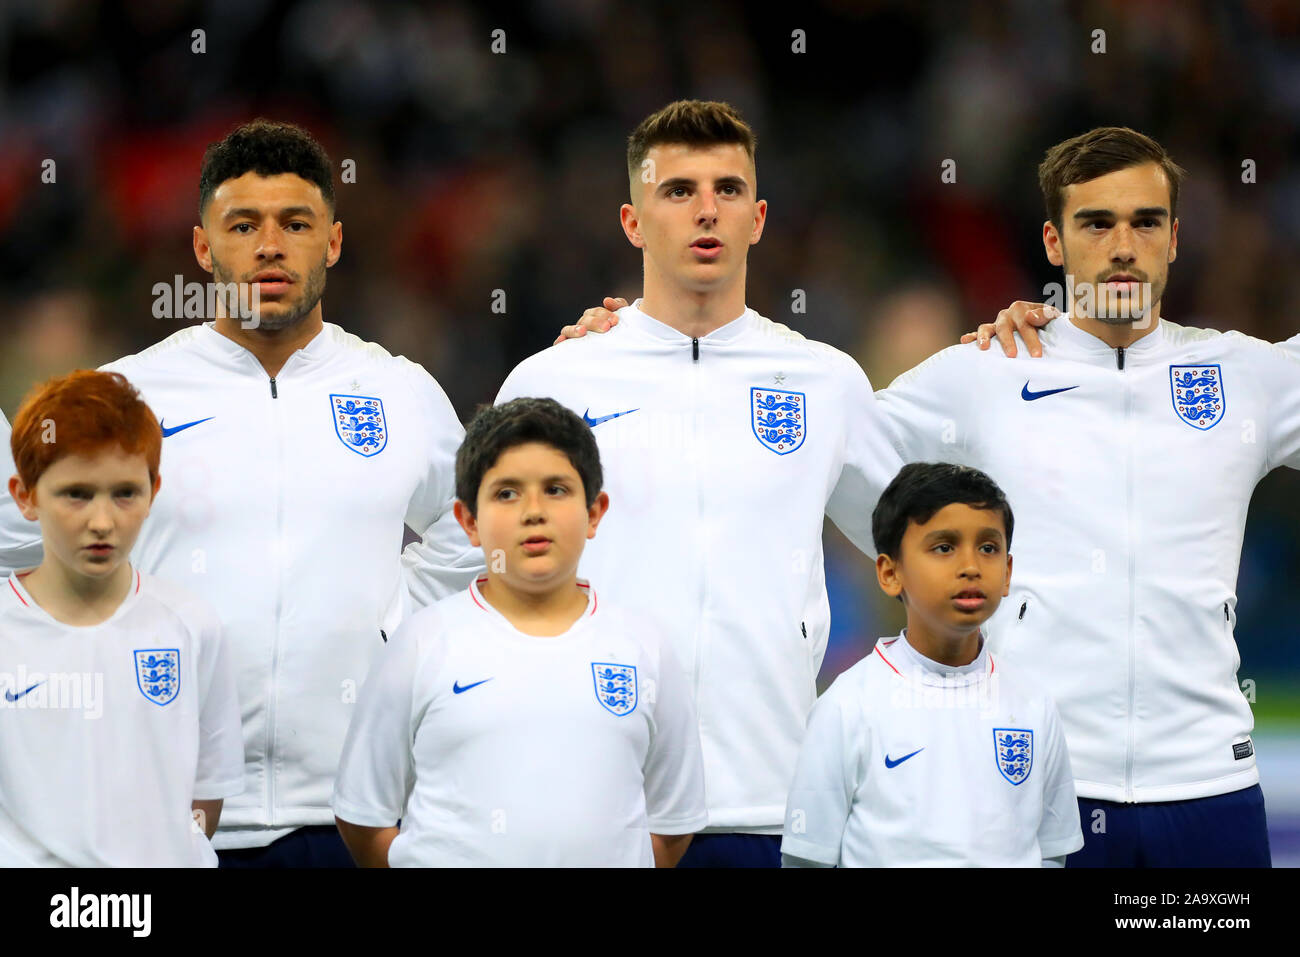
(478, 171)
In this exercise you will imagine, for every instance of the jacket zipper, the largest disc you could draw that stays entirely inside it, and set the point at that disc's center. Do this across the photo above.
(279, 587)
(1132, 581)
(699, 511)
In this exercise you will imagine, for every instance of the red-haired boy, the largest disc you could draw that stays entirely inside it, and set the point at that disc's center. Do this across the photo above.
(124, 736)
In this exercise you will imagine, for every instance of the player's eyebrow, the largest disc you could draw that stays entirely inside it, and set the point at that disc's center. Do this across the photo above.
(952, 535)
(514, 480)
(248, 212)
(672, 183)
(1144, 211)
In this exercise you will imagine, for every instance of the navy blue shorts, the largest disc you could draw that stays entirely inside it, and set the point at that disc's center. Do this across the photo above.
(1227, 830)
(317, 846)
(733, 850)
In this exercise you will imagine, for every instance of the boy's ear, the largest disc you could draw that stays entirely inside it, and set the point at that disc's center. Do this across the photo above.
(25, 498)
(1006, 584)
(467, 522)
(157, 484)
(887, 576)
(596, 512)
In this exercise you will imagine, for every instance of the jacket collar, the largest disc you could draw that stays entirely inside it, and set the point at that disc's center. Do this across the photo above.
(633, 316)
(231, 355)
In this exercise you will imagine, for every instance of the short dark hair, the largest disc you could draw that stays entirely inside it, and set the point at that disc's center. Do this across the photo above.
(923, 488)
(266, 148)
(1096, 153)
(692, 123)
(494, 430)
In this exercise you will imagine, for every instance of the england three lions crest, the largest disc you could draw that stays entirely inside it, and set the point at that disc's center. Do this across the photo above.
(359, 422)
(1198, 394)
(1013, 748)
(158, 673)
(615, 686)
(779, 419)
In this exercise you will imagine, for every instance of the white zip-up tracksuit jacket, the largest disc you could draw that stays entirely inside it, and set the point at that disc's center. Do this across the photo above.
(1129, 473)
(721, 457)
(282, 504)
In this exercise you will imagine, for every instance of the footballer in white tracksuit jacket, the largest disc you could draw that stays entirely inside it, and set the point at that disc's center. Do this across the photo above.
(1130, 472)
(721, 457)
(282, 504)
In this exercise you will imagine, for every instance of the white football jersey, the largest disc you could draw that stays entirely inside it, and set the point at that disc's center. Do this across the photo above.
(1130, 472)
(723, 456)
(108, 732)
(499, 748)
(910, 763)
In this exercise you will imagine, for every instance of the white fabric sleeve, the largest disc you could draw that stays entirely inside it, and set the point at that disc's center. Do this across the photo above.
(674, 767)
(377, 769)
(1054, 861)
(443, 562)
(20, 540)
(825, 779)
(1277, 373)
(1059, 832)
(870, 460)
(220, 772)
(929, 408)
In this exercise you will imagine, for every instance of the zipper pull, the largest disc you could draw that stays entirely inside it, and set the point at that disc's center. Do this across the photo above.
(1120, 358)
(804, 630)
(274, 394)
(695, 350)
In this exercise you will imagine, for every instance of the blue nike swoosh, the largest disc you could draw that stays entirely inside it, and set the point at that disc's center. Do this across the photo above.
(457, 689)
(894, 764)
(180, 428)
(1031, 396)
(592, 423)
(10, 696)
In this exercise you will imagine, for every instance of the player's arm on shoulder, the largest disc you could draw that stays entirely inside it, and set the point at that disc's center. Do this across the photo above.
(596, 319)
(673, 771)
(1023, 318)
(377, 769)
(825, 779)
(443, 561)
(870, 460)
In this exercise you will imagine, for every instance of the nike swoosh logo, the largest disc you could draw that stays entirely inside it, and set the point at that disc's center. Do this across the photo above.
(586, 417)
(181, 428)
(894, 764)
(456, 687)
(1031, 396)
(10, 696)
